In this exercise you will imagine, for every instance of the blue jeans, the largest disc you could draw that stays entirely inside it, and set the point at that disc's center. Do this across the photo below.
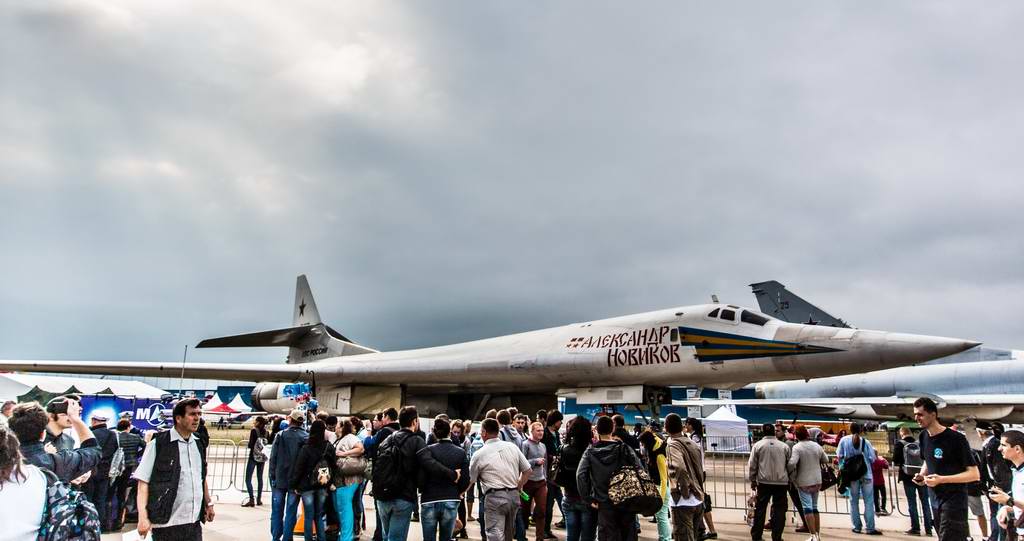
(358, 509)
(664, 526)
(395, 516)
(580, 520)
(284, 505)
(378, 529)
(862, 488)
(914, 493)
(521, 525)
(313, 510)
(257, 467)
(995, 532)
(343, 505)
(438, 518)
(554, 495)
(480, 513)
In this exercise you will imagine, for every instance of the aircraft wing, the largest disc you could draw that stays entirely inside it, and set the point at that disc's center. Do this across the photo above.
(902, 400)
(811, 402)
(990, 407)
(830, 406)
(225, 371)
(983, 399)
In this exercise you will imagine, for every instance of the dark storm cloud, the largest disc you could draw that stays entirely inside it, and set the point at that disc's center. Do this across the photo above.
(446, 172)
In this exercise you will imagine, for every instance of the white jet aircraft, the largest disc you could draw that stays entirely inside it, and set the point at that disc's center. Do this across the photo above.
(717, 345)
(981, 383)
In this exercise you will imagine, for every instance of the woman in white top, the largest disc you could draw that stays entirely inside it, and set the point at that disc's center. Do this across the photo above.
(22, 492)
(349, 450)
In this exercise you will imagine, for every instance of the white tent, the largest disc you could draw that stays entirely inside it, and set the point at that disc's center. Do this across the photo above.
(726, 431)
(238, 404)
(13, 386)
(212, 403)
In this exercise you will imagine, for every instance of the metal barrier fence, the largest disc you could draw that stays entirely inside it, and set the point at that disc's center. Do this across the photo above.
(725, 462)
(727, 483)
(225, 466)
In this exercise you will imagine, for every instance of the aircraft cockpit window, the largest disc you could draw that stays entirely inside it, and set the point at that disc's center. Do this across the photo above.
(729, 315)
(756, 319)
(714, 313)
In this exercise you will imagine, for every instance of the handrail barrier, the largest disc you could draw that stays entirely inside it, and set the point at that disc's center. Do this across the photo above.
(725, 462)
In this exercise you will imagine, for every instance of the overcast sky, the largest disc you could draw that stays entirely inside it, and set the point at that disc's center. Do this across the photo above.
(445, 171)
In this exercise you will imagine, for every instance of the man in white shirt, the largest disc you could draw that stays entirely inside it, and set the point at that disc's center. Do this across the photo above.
(1012, 448)
(174, 498)
(501, 469)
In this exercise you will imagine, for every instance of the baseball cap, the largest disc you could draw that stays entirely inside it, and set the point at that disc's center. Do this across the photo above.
(297, 415)
(99, 417)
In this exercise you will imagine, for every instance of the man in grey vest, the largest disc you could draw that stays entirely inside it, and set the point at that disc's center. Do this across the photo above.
(173, 498)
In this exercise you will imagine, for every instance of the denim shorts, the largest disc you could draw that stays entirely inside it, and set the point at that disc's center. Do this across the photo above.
(808, 500)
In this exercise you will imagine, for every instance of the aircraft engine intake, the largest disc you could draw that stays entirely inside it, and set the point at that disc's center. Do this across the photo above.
(279, 398)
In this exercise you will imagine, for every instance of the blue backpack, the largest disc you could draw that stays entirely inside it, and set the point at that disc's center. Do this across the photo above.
(68, 515)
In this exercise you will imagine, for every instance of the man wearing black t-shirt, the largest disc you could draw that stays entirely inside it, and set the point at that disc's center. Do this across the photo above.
(948, 467)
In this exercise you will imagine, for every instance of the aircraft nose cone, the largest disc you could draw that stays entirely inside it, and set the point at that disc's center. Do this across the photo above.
(900, 349)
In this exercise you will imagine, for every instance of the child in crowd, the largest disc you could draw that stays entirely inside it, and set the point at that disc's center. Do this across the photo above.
(878, 468)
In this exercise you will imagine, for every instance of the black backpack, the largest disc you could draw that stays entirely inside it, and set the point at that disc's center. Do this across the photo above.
(854, 467)
(977, 488)
(912, 459)
(387, 467)
(1001, 475)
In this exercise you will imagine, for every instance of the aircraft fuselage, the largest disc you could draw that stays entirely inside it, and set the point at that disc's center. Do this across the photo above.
(693, 345)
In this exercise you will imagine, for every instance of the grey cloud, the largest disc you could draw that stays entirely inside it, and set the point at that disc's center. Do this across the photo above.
(447, 172)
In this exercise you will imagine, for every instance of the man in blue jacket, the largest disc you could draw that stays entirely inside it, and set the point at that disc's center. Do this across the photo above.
(285, 452)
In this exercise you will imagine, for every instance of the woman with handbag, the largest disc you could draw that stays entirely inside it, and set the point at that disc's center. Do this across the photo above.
(254, 464)
(805, 466)
(351, 466)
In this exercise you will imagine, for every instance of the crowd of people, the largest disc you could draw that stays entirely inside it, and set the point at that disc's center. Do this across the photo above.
(944, 480)
(60, 477)
(513, 471)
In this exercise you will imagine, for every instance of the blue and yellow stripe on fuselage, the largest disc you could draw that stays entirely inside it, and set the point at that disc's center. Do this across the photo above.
(719, 346)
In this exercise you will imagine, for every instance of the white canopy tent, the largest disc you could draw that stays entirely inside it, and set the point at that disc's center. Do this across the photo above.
(212, 403)
(32, 386)
(238, 404)
(725, 431)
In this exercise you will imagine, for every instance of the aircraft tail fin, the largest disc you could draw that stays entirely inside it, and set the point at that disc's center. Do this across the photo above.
(308, 339)
(305, 307)
(775, 300)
